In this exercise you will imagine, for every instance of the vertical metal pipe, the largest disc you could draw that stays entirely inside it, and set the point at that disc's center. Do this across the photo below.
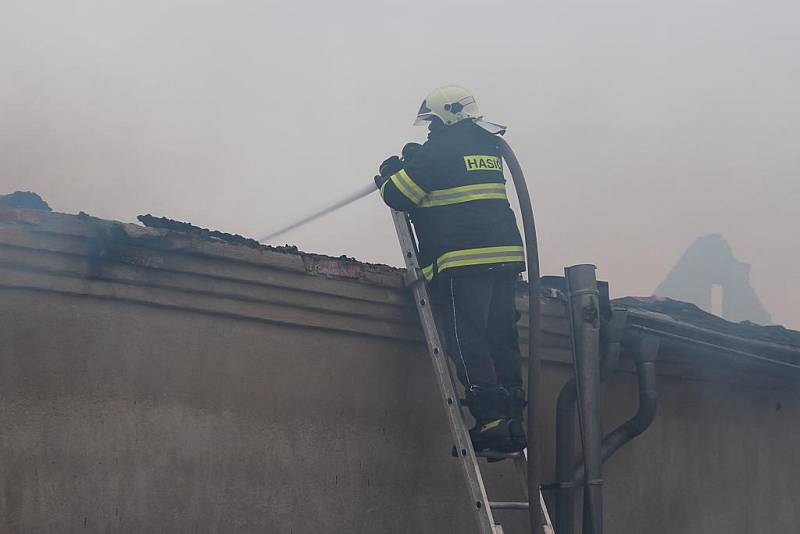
(567, 481)
(584, 304)
(534, 359)
(565, 458)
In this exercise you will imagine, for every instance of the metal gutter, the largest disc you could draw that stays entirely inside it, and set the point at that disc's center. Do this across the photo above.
(715, 347)
(669, 327)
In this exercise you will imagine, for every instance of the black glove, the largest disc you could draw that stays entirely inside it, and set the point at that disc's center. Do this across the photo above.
(409, 150)
(380, 180)
(390, 166)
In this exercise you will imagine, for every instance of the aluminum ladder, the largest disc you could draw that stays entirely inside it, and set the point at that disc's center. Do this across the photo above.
(481, 506)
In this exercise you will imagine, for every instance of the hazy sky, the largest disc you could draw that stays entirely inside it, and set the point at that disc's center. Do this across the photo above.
(640, 125)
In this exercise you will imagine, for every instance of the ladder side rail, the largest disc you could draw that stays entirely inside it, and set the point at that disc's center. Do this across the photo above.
(466, 454)
(521, 465)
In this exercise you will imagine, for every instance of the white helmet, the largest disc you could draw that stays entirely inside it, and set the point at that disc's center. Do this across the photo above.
(450, 103)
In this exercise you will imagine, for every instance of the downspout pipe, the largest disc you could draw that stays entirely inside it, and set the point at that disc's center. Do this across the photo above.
(565, 458)
(645, 354)
(584, 307)
(565, 442)
(534, 474)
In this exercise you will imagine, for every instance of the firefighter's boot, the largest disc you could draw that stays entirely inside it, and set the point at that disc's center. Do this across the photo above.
(514, 412)
(488, 405)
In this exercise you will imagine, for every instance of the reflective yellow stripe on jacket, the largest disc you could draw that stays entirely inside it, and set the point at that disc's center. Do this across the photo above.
(444, 197)
(464, 193)
(475, 256)
(403, 182)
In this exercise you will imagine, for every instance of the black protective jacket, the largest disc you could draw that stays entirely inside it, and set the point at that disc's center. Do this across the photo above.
(455, 192)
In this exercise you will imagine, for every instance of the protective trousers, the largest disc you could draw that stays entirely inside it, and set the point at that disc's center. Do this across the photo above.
(479, 317)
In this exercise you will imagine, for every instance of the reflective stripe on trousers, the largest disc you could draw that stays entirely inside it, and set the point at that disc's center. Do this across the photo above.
(475, 256)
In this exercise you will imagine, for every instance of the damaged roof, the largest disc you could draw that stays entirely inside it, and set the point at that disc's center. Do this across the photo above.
(163, 233)
(172, 225)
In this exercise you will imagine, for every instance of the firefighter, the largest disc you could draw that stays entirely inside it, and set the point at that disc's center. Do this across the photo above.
(471, 253)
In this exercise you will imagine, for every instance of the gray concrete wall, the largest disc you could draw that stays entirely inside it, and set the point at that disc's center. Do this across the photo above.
(151, 382)
(118, 416)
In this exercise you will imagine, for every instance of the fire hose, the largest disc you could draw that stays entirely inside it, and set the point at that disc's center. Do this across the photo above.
(534, 356)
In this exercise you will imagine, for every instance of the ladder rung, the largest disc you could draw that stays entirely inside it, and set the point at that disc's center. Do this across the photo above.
(508, 505)
(494, 455)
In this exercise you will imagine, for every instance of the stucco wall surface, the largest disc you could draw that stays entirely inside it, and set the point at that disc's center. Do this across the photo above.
(150, 382)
